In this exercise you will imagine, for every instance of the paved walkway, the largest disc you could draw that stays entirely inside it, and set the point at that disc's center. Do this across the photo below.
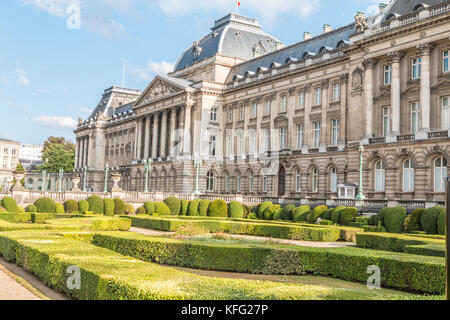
(10, 289)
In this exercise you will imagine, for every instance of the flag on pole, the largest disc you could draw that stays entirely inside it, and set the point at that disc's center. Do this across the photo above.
(238, 4)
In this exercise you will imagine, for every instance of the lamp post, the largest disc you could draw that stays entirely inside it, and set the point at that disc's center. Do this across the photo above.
(447, 239)
(61, 174)
(197, 164)
(84, 179)
(105, 189)
(147, 164)
(361, 195)
(44, 173)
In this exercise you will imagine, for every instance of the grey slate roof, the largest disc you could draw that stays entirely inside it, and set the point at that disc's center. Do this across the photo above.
(403, 7)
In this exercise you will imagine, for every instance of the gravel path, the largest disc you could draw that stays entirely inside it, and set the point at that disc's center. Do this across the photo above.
(10, 289)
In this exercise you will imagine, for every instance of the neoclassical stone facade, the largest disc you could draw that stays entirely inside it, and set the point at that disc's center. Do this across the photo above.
(287, 121)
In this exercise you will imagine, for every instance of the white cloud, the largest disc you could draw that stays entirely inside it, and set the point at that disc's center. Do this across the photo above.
(21, 76)
(151, 68)
(56, 122)
(54, 7)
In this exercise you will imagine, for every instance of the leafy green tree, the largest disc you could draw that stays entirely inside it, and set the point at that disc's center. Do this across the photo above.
(57, 153)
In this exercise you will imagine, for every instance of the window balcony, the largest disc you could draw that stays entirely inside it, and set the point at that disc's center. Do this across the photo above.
(438, 135)
(377, 140)
(407, 137)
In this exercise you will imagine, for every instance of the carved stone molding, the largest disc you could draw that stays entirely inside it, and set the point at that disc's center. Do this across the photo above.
(395, 56)
(325, 83)
(344, 78)
(425, 48)
(369, 63)
(307, 87)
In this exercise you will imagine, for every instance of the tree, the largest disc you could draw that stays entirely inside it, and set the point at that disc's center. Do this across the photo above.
(56, 154)
(20, 168)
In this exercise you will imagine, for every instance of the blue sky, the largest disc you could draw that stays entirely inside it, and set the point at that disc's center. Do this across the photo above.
(52, 72)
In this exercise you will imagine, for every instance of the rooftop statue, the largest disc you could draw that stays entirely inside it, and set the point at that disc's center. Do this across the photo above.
(361, 22)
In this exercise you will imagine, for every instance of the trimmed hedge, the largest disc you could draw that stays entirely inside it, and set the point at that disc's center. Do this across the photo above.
(9, 204)
(316, 213)
(45, 205)
(83, 206)
(441, 222)
(174, 205)
(149, 208)
(95, 204)
(336, 214)
(203, 207)
(429, 219)
(235, 210)
(71, 206)
(161, 209)
(218, 208)
(379, 218)
(348, 215)
(119, 206)
(261, 208)
(108, 207)
(31, 208)
(14, 217)
(193, 207)
(141, 210)
(59, 208)
(286, 212)
(277, 214)
(129, 208)
(184, 207)
(327, 214)
(414, 220)
(270, 211)
(394, 218)
(301, 213)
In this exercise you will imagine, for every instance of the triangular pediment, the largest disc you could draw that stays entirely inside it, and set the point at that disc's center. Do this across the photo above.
(158, 89)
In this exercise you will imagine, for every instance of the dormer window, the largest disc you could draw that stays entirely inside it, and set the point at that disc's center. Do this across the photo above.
(259, 50)
(418, 7)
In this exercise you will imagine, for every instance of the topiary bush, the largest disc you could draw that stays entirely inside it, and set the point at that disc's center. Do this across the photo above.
(278, 214)
(301, 213)
(246, 210)
(429, 219)
(119, 207)
(235, 210)
(174, 205)
(59, 208)
(129, 209)
(9, 204)
(394, 219)
(141, 210)
(218, 208)
(262, 207)
(379, 218)
(316, 213)
(45, 205)
(108, 207)
(161, 209)
(270, 211)
(149, 208)
(193, 207)
(31, 208)
(336, 214)
(83, 206)
(441, 222)
(184, 207)
(95, 204)
(20, 209)
(414, 221)
(348, 215)
(70, 206)
(286, 212)
(203, 207)
(327, 214)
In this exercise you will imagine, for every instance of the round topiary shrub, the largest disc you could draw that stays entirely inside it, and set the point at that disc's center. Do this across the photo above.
(71, 206)
(429, 220)
(286, 212)
(174, 205)
(270, 211)
(379, 218)
(119, 206)
(236, 210)
(59, 208)
(278, 214)
(45, 205)
(9, 204)
(371, 221)
(31, 208)
(252, 216)
(414, 221)
(203, 207)
(161, 209)
(336, 214)
(184, 207)
(95, 204)
(129, 209)
(108, 207)
(83, 206)
(441, 222)
(193, 207)
(301, 213)
(218, 208)
(348, 215)
(262, 207)
(141, 210)
(327, 214)
(394, 219)
(149, 208)
(246, 210)
(316, 213)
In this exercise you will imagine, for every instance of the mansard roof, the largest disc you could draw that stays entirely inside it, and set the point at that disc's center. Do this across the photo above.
(403, 7)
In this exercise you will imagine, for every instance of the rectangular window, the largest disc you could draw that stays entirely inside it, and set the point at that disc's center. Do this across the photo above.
(318, 96)
(336, 92)
(254, 110)
(213, 116)
(13, 152)
(241, 144)
(415, 117)
(387, 74)
(301, 99)
(264, 186)
(230, 115)
(6, 150)
(282, 138)
(212, 146)
(252, 142)
(268, 106)
(266, 140)
(299, 136)
(283, 104)
(386, 121)
(316, 134)
(445, 114)
(334, 132)
(229, 145)
(416, 68)
(445, 61)
(241, 113)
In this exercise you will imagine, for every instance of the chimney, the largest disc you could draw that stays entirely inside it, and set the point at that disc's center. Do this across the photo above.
(382, 6)
(306, 36)
(327, 28)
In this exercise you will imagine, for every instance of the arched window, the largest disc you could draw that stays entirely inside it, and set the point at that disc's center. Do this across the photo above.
(210, 181)
(315, 180)
(408, 176)
(418, 7)
(298, 181)
(380, 177)
(238, 182)
(440, 173)
(333, 180)
(250, 182)
(227, 182)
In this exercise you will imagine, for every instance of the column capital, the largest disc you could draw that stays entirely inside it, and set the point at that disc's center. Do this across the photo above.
(395, 56)
(369, 63)
(344, 78)
(325, 83)
(425, 48)
(307, 87)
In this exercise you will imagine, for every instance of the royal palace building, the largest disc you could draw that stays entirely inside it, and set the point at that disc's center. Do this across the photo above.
(256, 117)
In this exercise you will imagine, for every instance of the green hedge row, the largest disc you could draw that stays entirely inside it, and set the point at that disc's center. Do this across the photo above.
(15, 217)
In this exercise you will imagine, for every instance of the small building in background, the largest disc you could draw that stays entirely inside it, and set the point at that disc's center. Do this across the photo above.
(9, 158)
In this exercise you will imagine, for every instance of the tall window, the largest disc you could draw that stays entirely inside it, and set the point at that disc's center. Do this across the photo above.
(317, 96)
(380, 176)
(445, 67)
(282, 138)
(283, 104)
(241, 113)
(268, 106)
(386, 121)
(210, 181)
(301, 99)
(408, 176)
(387, 74)
(316, 134)
(315, 180)
(440, 173)
(336, 92)
(227, 182)
(333, 180)
(298, 181)
(254, 109)
(415, 117)
(241, 144)
(252, 142)
(266, 140)
(264, 186)
(212, 145)
(213, 115)
(250, 182)
(416, 68)
(229, 144)
(334, 132)
(299, 136)
(230, 115)
(445, 114)
(238, 182)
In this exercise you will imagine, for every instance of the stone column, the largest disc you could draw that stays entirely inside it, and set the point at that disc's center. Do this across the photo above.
(86, 150)
(163, 138)
(343, 120)
(307, 130)
(181, 136)
(425, 81)
(173, 132)
(187, 130)
(324, 125)
(259, 137)
(77, 151)
(136, 134)
(368, 94)
(81, 160)
(155, 136)
(395, 58)
(139, 139)
(147, 138)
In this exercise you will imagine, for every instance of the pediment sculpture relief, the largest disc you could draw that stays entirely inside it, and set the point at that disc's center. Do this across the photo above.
(159, 90)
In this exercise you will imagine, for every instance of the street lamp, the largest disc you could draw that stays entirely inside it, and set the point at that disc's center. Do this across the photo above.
(105, 189)
(197, 164)
(84, 180)
(61, 174)
(361, 195)
(147, 164)
(44, 173)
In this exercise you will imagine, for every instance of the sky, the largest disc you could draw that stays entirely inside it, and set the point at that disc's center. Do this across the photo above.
(58, 56)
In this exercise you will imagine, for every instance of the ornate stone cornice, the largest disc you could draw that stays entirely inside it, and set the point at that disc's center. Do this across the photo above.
(425, 48)
(369, 63)
(395, 56)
